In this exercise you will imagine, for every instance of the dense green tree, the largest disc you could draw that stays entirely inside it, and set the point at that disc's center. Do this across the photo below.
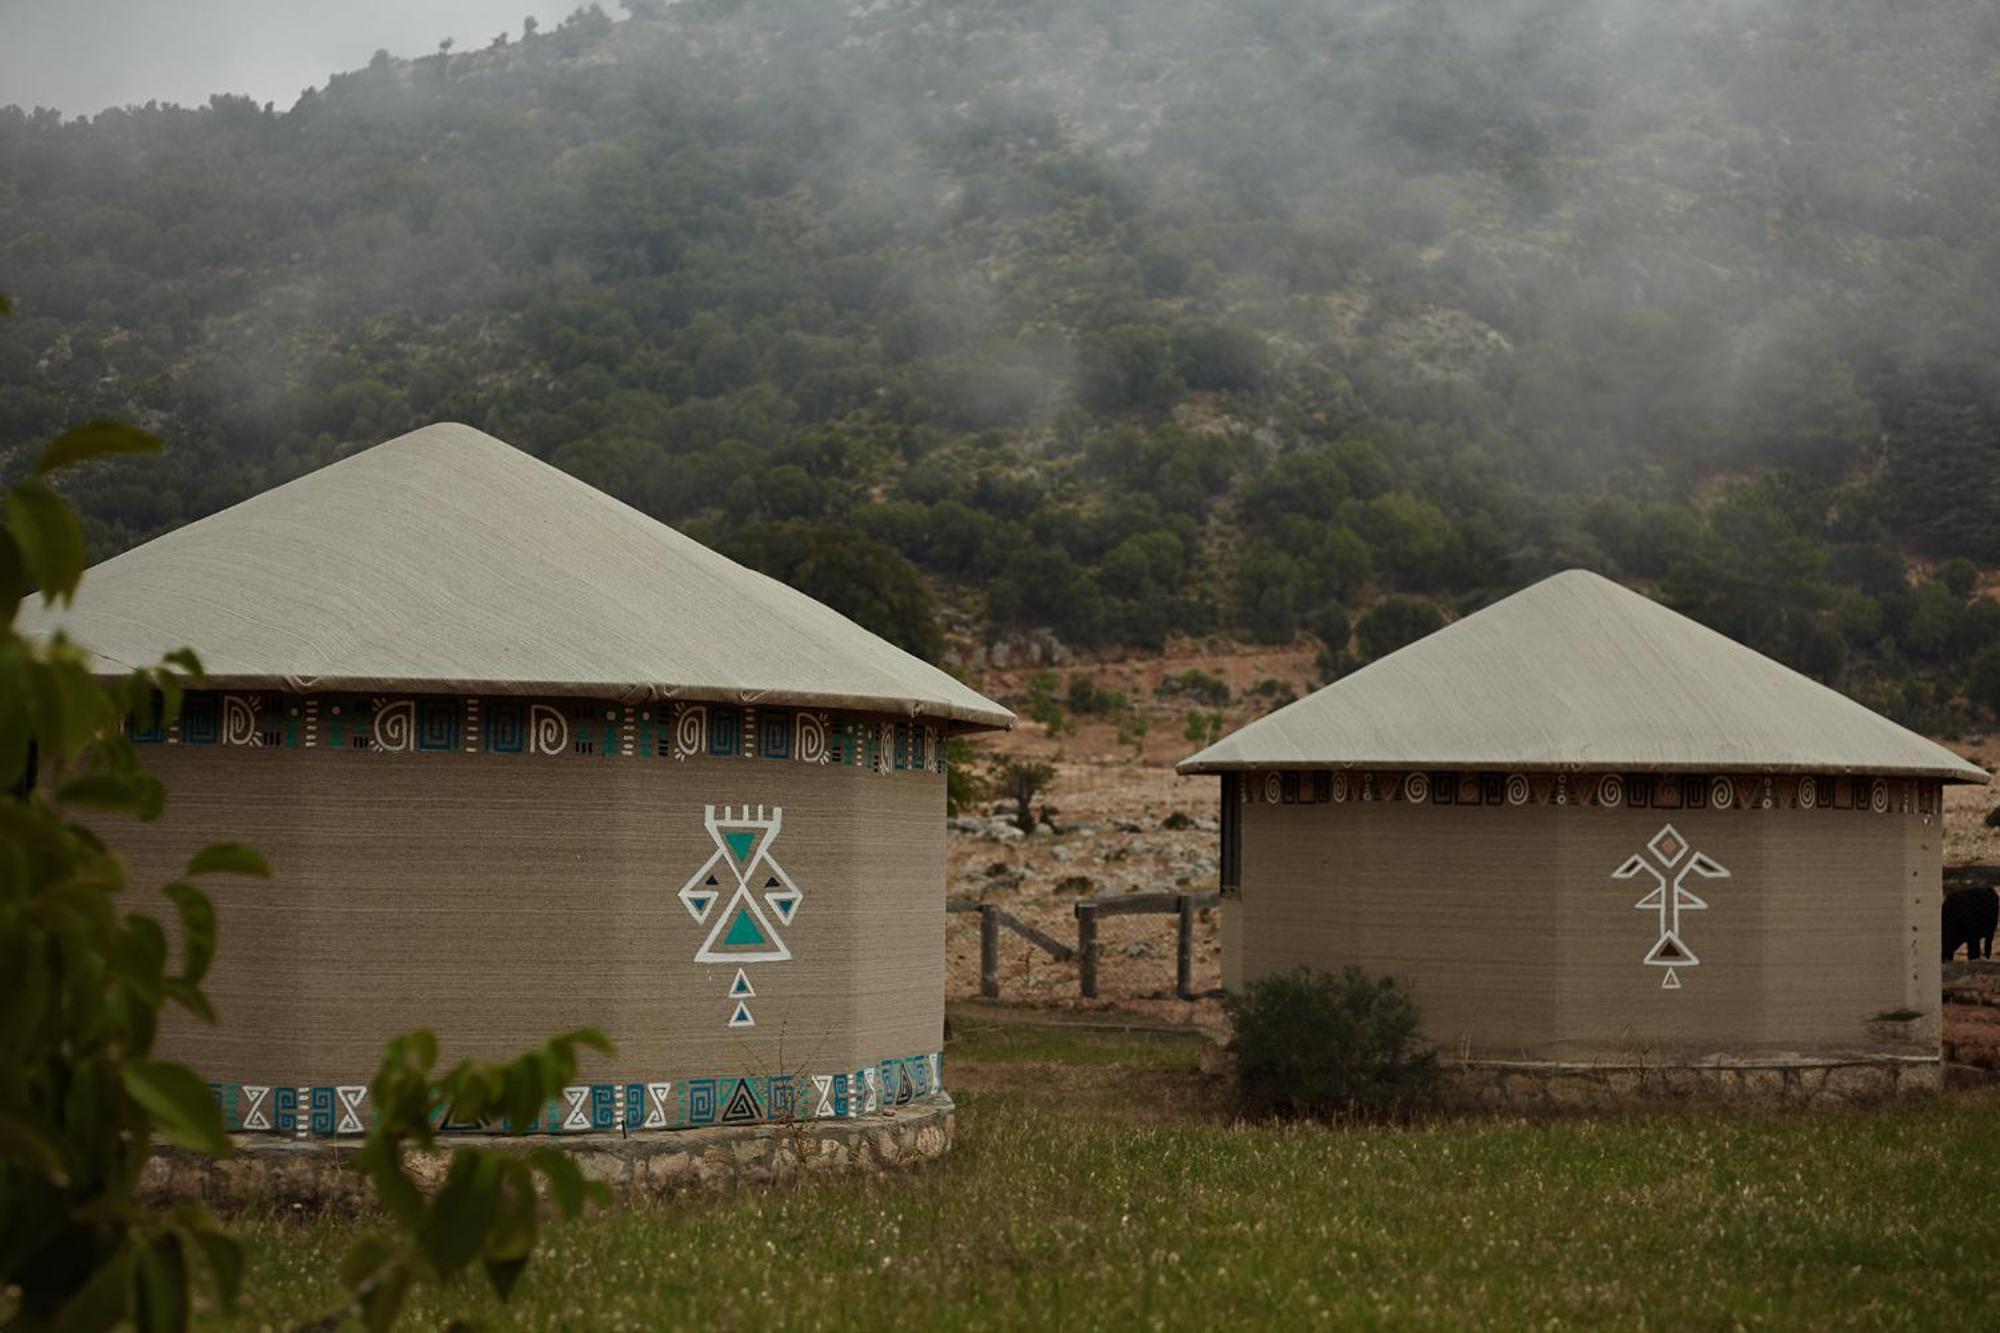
(1393, 622)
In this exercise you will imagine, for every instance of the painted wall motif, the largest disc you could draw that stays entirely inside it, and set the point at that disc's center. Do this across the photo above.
(545, 728)
(1606, 916)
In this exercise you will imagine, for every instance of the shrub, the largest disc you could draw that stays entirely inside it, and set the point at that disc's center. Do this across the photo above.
(1329, 1045)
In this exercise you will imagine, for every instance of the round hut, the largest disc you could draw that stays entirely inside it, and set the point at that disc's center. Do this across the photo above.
(524, 759)
(1587, 831)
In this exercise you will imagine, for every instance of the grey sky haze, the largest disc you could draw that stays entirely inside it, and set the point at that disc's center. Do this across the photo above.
(81, 56)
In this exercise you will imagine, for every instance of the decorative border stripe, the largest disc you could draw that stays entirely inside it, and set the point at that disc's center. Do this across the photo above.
(544, 728)
(1609, 791)
(341, 1110)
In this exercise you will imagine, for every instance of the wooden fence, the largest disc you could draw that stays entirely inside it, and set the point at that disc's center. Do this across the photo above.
(993, 919)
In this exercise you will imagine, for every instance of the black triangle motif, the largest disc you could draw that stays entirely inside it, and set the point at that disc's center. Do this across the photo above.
(742, 1106)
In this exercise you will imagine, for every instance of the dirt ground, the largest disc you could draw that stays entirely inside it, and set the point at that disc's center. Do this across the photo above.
(1129, 824)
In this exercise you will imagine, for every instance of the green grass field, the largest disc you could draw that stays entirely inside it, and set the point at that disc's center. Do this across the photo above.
(1054, 1215)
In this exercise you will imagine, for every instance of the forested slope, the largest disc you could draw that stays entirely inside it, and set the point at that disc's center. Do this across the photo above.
(1118, 318)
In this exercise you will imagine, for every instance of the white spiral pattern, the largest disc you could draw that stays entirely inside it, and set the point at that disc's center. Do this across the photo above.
(548, 730)
(395, 724)
(1878, 797)
(1518, 790)
(1340, 786)
(1611, 790)
(1274, 789)
(1722, 793)
(1808, 793)
(239, 721)
(690, 730)
(1416, 788)
(809, 738)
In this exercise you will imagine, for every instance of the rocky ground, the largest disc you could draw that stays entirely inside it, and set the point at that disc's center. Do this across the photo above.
(1123, 822)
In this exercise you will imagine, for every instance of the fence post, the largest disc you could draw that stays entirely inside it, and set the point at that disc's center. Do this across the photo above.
(989, 951)
(1086, 949)
(1184, 951)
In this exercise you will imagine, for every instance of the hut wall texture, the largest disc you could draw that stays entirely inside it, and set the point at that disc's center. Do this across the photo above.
(498, 901)
(1517, 941)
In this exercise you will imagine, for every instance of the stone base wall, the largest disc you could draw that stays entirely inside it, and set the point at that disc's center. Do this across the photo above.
(1800, 1082)
(315, 1175)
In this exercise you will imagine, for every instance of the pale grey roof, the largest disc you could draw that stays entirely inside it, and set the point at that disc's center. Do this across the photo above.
(447, 561)
(1578, 672)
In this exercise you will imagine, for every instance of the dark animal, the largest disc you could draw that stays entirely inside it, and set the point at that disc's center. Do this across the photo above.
(1970, 918)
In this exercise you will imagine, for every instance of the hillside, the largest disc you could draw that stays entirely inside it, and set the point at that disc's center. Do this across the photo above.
(1054, 328)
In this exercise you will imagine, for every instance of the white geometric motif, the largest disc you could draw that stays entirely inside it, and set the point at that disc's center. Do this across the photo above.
(255, 1100)
(756, 898)
(349, 1099)
(1672, 853)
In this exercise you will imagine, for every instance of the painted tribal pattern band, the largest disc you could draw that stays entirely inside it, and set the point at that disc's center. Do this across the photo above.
(1639, 791)
(335, 1110)
(547, 728)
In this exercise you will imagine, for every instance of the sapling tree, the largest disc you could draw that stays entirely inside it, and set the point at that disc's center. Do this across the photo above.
(87, 973)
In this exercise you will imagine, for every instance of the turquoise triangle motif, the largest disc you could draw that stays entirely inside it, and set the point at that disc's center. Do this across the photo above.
(744, 932)
(740, 845)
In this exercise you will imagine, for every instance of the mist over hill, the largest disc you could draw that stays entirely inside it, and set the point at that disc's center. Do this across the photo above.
(1118, 319)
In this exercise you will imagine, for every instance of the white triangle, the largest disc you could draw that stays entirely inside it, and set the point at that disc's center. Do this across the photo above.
(1672, 981)
(741, 988)
(741, 1018)
(714, 951)
(784, 904)
(698, 895)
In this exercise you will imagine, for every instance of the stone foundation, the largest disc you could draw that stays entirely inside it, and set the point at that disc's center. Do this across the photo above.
(1814, 1083)
(314, 1174)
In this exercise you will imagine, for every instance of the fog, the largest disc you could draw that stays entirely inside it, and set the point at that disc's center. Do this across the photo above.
(81, 56)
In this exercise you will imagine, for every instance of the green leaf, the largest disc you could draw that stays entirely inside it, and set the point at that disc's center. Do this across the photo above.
(382, 1302)
(184, 661)
(219, 1250)
(49, 538)
(106, 1299)
(189, 997)
(179, 1102)
(137, 794)
(566, 1184)
(94, 440)
(197, 929)
(23, 1143)
(162, 1286)
(503, 1274)
(229, 858)
(462, 1210)
(13, 580)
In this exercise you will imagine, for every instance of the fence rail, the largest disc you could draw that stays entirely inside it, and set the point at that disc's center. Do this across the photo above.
(993, 919)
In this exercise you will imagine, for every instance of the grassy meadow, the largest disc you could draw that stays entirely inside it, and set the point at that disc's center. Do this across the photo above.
(1098, 1183)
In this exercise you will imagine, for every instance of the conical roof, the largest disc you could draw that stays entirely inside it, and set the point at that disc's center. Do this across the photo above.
(1578, 672)
(446, 561)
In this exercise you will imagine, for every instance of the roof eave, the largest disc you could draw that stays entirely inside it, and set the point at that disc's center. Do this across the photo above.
(1969, 774)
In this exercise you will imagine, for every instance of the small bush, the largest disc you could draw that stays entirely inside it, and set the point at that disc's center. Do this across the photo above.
(1993, 817)
(1329, 1045)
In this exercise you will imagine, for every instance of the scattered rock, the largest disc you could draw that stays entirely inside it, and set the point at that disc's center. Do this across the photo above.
(1078, 884)
(1128, 826)
(1139, 949)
